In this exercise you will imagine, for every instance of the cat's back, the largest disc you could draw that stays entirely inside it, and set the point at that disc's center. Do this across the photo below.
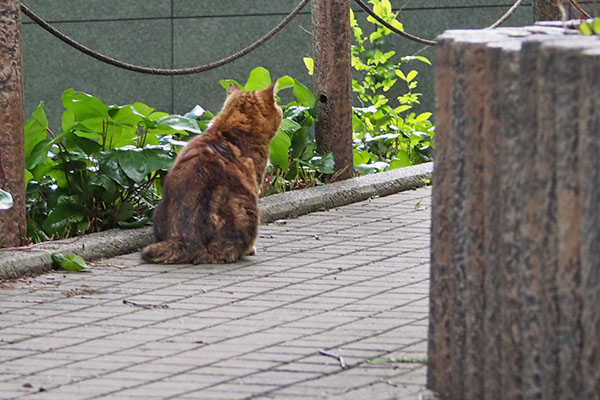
(210, 159)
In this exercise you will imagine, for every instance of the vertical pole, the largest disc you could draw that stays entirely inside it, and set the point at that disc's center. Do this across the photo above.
(333, 81)
(546, 10)
(12, 116)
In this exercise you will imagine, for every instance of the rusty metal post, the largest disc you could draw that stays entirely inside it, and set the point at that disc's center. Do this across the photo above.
(12, 116)
(333, 81)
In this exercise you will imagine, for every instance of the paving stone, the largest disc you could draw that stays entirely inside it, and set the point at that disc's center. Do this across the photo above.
(250, 329)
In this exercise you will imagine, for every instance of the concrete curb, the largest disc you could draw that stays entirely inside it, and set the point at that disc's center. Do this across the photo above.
(36, 260)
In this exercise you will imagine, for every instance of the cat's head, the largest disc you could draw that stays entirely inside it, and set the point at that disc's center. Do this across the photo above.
(255, 111)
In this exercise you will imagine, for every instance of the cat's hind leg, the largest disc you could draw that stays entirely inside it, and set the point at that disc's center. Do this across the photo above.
(220, 253)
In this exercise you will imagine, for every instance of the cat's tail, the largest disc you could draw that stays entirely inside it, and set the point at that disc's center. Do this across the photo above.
(170, 251)
(174, 251)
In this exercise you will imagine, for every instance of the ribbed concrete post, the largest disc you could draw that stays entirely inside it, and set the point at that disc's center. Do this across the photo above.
(515, 271)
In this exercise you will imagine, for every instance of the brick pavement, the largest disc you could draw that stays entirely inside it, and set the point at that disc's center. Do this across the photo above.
(333, 306)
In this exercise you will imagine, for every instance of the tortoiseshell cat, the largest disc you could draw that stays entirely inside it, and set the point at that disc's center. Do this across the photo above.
(209, 210)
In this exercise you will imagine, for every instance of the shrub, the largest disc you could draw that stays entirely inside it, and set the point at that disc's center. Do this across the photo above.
(385, 136)
(105, 166)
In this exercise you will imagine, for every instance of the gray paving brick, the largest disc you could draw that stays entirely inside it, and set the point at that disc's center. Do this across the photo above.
(352, 281)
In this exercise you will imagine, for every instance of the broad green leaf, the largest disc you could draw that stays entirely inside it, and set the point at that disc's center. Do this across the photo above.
(142, 109)
(155, 159)
(361, 157)
(109, 166)
(58, 175)
(69, 261)
(226, 83)
(28, 176)
(89, 146)
(35, 129)
(401, 75)
(105, 186)
(284, 82)
(68, 120)
(68, 211)
(324, 164)
(289, 126)
(155, 116)
(303, 146)
(121, 135)
(303, 95)
(6, 200)
(125, 115)
(402, 160)
(259, 79)
(131, 162)
(125, 211)
(279, 147)
(83, 105)
(39, 154)
(180, 123)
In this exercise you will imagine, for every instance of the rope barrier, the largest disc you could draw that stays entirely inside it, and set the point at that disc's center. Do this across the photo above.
(201, 68)
(427, 42)
(506, 15)
(393, 28)
(163, 71)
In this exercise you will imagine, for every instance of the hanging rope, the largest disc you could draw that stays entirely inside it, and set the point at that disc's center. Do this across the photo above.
(162, 71)
(506, 15)
(427, 42)
(393, 28)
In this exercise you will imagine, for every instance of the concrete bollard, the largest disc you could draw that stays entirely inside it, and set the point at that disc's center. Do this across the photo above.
(515, 265)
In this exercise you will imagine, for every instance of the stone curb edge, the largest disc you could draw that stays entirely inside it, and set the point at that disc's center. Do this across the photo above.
(37, 260)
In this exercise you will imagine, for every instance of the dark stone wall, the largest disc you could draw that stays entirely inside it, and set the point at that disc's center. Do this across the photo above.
(183, 33)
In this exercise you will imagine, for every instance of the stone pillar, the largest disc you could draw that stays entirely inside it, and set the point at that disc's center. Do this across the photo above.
(515, 268)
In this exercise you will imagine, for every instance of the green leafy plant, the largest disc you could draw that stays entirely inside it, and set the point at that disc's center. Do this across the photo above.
(103, 168)
(386, 136)
(69, 261)
(590, 27)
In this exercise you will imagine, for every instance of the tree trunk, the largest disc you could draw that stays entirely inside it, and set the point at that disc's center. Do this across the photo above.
(545, 10)
(12, 115)
(333, 81)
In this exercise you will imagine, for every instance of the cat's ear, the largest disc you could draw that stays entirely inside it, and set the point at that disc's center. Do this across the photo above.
(233, 88)
(270, 90)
